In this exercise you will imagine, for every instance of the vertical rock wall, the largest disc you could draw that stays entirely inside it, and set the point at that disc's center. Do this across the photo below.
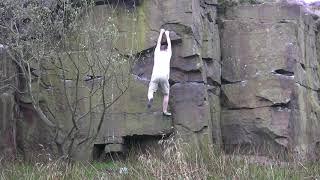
(270, 78)
(195, 65)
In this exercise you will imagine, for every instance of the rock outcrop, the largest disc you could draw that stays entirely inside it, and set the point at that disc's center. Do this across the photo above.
(255, 89)
(270, 78)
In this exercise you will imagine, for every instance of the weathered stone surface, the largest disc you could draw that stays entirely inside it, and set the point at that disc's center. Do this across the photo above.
(190, 106)
(270, 78)
(305, 121)
(190, 47)
(256, 126)
(254, 49)
(213, 71)
(260, 92)
(191, 63)
(271, 12)
(143, 123)
(210, 47)
(215, 111)
(177, 75)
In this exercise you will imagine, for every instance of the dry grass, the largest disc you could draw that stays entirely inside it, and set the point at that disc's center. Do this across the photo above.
(178, 160)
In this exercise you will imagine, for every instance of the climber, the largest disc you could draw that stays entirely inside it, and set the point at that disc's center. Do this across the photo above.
(161, 71)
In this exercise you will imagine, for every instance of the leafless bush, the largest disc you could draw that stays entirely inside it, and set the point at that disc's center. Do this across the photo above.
(68, 67)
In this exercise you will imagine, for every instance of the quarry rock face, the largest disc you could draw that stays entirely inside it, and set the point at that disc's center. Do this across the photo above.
(195, 63)
(270, 78)
(250, 82)
(195, 72)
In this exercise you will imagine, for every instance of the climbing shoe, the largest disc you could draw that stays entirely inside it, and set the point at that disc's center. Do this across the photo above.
(149, 103)
(166, 113)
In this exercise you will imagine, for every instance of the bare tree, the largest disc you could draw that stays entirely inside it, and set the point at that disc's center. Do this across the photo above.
(68, 66)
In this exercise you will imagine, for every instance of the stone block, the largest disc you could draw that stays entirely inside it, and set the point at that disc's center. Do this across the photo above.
(190, 106)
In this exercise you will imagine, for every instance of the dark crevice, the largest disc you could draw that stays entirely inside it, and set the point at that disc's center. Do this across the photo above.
(92, 77)
(131, 144)
(98, 3)
(315, 17)
(187, 128)
(307, 87)
(171, 82)
(284, 105)
(284, 72)
(200, 82)
(263, 99)
(210, 19)
(211, 4)
(303, 66)
(284, 21)
(212, 82)
(202, 129)
(98, 150)
(224, 81)
(208, 59)
(215, 90)
(224, 100)
(191, 57)
(99, 154)
(141, 143)
(240, 108)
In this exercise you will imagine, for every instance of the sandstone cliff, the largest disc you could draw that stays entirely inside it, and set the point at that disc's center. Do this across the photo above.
(245, 77)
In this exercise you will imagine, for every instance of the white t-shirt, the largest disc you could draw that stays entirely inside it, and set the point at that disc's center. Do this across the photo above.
(161, 66)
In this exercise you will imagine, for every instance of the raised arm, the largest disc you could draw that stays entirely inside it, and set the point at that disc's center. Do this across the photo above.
(159, 40)
(168, 40)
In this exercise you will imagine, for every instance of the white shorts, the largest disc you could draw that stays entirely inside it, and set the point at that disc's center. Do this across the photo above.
(163, 82)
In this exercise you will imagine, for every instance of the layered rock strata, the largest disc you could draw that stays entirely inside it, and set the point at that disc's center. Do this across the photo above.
(270, 74)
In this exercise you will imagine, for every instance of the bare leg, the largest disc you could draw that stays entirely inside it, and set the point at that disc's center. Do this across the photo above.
(150, 95)
(165, 103)
(150, 99)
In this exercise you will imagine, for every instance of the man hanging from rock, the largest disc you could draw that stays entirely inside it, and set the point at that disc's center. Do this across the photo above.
(161, 71)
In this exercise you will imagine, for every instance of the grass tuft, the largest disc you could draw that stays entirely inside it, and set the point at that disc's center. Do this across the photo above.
(176, 160)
